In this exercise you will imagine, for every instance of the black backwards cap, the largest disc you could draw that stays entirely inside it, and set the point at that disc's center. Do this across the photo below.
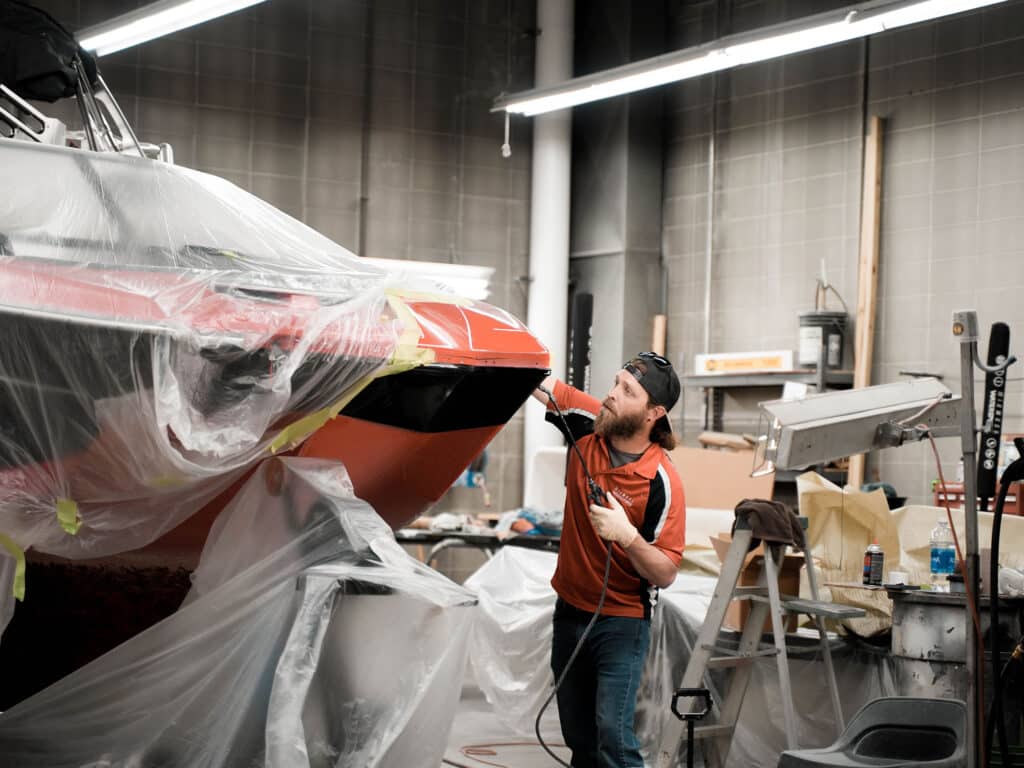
(658, 379)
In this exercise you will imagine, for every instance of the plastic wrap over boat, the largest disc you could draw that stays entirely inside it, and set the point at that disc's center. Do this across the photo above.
(310, 639)
(162, 331)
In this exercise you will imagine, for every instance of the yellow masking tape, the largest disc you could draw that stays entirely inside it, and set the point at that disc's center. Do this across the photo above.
(67, 515)
(298, 431)
(442, 298)
(167, 481)
(406, 356)
(19, 569)
(411, 332)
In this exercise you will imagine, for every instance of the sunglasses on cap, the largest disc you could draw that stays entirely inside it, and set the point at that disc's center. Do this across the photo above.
(645, 357)
(660, 361)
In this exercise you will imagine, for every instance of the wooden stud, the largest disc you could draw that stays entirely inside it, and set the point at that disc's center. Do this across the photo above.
(867, 277)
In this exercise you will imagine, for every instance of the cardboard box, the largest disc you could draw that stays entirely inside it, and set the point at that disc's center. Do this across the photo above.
(789, 582)
(726, 442)
(719, 479)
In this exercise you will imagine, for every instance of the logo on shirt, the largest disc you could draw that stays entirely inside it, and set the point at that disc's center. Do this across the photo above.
(621, 495)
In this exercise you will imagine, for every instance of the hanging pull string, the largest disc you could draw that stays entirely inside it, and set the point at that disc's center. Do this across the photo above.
(506, 148)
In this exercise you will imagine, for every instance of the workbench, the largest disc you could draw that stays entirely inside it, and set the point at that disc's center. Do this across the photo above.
(487, 541)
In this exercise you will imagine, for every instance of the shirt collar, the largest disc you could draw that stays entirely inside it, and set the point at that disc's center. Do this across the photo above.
(646, 466)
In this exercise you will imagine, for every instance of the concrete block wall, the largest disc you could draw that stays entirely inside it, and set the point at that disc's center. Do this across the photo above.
(366, 119)
(787, 195)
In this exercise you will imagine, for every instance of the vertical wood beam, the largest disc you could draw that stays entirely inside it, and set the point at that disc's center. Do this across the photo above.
(867, 275)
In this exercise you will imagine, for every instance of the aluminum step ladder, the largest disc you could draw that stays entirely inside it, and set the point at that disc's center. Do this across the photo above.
(708, 654)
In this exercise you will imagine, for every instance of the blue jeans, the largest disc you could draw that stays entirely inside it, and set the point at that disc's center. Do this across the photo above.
(597, 700)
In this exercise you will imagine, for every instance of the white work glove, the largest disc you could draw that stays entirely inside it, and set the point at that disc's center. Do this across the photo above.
(611, 522)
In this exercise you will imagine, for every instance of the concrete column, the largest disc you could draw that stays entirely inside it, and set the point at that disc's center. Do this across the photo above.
(547, 312)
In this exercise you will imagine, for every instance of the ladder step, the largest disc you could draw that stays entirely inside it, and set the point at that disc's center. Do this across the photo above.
(747, 593)
(820, 608)
(722, 662)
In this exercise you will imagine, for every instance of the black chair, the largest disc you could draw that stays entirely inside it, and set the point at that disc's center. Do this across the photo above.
(894, 732)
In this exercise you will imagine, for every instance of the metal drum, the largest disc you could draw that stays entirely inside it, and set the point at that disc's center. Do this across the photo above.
(929, 640)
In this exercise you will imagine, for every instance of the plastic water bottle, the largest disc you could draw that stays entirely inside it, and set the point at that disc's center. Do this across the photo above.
(943, 556)
(874, 561)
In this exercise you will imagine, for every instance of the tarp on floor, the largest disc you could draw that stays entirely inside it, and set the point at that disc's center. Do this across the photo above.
(309, 639)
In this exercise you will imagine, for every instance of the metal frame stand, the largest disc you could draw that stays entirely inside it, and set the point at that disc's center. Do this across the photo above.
(965, 329)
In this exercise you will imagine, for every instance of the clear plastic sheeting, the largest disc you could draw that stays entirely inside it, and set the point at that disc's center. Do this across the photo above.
(674, 627)
(163, 330)
(511, 645)
(310, 639)
(862, 674)
(510, 648)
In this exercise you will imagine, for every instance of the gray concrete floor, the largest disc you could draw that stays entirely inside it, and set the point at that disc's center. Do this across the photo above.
(476, 725)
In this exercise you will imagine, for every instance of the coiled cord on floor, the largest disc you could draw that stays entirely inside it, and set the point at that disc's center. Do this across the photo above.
(477, 752)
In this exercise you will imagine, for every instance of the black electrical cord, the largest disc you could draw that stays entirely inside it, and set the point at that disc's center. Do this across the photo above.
(995, 717)
(597, 497)
(1012, 474)
(1016, 655)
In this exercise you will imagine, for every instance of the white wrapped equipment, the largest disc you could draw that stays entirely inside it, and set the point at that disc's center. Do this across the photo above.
(309, 639)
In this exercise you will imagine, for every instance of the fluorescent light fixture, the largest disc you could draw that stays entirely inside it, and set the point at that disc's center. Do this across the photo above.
(154, 20)
(824, 427)
(735, 50)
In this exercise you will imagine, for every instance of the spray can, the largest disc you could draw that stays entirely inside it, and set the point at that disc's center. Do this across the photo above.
(874, 560)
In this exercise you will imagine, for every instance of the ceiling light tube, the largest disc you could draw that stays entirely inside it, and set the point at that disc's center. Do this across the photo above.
(735, 50)
(154, 20)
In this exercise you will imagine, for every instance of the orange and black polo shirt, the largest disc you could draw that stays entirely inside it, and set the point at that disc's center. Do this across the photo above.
(649, 490)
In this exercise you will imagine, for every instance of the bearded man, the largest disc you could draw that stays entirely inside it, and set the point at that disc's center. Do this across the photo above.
(642, 518)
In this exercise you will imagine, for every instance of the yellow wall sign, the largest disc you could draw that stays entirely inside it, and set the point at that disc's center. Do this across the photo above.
(744, 362)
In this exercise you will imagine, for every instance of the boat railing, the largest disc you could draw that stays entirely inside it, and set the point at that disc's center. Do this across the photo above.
(21, 117)
(104, 125)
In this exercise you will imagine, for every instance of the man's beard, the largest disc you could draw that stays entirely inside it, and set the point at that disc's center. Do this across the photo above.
(609, 425)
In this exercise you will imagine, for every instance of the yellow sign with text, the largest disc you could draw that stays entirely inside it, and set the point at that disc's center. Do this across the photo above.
(744, 362)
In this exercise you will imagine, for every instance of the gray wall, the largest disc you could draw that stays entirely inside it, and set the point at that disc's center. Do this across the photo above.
(789, 139)
(617, 158)
(315, 104)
